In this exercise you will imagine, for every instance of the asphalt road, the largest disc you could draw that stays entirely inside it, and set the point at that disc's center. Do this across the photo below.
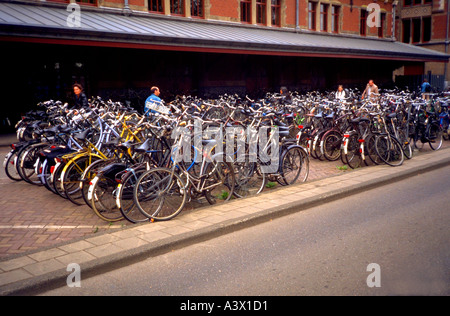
(402, 228)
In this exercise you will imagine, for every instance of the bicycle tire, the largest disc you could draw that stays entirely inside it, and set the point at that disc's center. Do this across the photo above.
(219, 182)
(160, 194)
(248, 181)
(331, 146)
(435, 136)
(88, 175)
(72, 176)
(291, 164)
(124, 197)
(389, 150)
(102, 194)
(10, 166)
(353, 155)
(26, 166)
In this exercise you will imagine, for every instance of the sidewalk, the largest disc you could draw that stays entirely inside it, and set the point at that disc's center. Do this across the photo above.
(47, 268)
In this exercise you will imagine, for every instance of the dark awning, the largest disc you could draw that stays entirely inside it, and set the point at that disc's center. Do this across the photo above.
(108, 27)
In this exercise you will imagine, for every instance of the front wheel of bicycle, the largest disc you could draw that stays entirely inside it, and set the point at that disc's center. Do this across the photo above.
(293, 164)
(389, 150)
(435, 137)
(219, 182)
(160, 194)
(249, 180)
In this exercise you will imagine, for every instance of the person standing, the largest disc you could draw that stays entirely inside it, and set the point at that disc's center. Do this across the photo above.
(80, 100)
(426, 89)
(152, 99)
(370, 91)
(340, 93)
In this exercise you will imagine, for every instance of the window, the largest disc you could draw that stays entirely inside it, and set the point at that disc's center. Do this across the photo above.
(323, 17)
(382, 24)
(407, 3)
(155, 6)
(335, 18)
(261, 11)
(176, 7)
(276, 12)
(417, 2)
(246, 11)
(312, 15)
(197, 8)
(427, 1)
(406, 31)
(426, 29)
(363, 23)
(94, 2)
(416, 34)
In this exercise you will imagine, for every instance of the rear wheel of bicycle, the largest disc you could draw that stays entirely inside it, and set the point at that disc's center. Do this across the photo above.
(354, 158)
(160, 194)
(88, 175)
(72, 177)
(102, 194)
(389, 150)
(219, 183)
(10, 167)
(57, 180)
(370, 151)
(27, 164)
(124, 197)
(331, 146)
(292, 163)
(249, 180)
(435, 136)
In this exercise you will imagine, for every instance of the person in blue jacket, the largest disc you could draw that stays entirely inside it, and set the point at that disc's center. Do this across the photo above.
(151, 99)
(425, 89)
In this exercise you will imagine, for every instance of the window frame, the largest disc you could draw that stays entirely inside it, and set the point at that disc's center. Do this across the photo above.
(261, 12)
(312, 15)
(248, 10)
(323, 21)
(275, 12)
(150, 6)
(335, 17)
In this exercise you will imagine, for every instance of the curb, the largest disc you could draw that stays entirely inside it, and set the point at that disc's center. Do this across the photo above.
(123, 258)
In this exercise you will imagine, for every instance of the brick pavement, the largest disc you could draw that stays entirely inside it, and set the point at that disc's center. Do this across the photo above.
(32, 217)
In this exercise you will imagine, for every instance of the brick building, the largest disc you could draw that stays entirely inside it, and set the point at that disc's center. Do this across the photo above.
(425, 23)
(119, 48)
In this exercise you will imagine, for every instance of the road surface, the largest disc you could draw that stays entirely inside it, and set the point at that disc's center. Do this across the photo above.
(393, 240)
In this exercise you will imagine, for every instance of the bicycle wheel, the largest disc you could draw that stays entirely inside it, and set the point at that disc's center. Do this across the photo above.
(371, 153)
(72, 176)
(406, 145)
(124, 197)
(56, 180)
(353, 154)
(248, 179)
(292, 162)
(102, 194)
(160, 194)
(27, 164)
(389, 150)
(331, 146)
(88, 175)
(219, 182)
(10, 166)
(435, 137)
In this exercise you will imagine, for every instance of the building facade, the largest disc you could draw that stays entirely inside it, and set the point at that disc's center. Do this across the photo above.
(118, 49)
(425, 23)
